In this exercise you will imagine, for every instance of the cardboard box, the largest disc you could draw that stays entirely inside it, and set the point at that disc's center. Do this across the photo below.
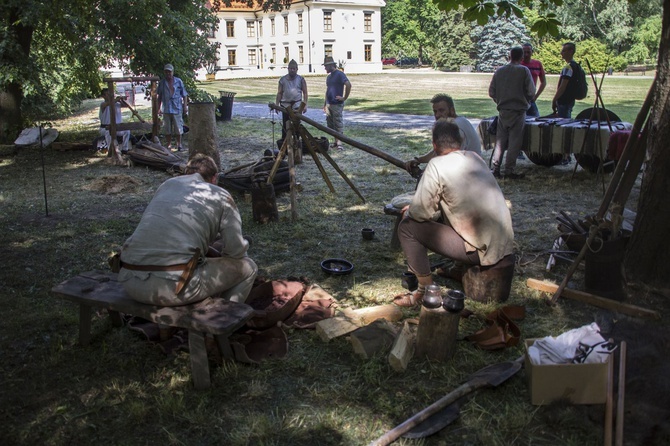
(577, 383)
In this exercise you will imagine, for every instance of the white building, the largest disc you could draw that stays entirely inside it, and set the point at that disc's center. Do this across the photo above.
(257, 43)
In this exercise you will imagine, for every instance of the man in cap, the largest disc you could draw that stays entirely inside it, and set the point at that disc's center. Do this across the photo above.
(174, 98)
(291, 91)
(338, 88)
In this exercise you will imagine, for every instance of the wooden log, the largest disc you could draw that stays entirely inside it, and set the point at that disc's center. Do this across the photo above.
(203, 130)
(334, 327)
(403, 349)
(64, 146)
(631, 310)
(364, 316)
(436, 336)
(373, 339)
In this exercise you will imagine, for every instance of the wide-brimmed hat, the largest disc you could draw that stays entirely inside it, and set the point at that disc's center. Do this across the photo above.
(168, 67)
(328, 60)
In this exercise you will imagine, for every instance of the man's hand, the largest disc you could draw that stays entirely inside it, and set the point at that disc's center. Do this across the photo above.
(411, 165)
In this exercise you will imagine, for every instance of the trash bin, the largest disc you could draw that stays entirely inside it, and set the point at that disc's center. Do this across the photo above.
(224, 112)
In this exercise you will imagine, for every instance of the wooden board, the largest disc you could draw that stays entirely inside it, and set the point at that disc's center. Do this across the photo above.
(631, 310)
(333, 327)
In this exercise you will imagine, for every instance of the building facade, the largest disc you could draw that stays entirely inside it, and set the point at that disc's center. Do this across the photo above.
(257, 43)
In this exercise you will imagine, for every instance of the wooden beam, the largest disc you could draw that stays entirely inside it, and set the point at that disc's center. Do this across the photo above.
(597, 301)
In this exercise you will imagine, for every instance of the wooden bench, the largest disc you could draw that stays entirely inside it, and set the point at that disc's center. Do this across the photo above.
(389, 209)
(219, 317)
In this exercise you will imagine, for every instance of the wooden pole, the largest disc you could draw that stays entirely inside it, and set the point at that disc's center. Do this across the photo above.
(608, 404)
(291, 175)
(621, 392)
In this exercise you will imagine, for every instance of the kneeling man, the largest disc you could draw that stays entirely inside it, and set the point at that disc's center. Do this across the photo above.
(188, 245)
(474, 224)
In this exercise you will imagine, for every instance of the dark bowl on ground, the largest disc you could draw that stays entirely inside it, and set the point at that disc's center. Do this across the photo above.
(337, 267)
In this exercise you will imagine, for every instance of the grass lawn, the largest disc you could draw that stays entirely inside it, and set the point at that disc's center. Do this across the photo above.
(121, 390)
(374, 92)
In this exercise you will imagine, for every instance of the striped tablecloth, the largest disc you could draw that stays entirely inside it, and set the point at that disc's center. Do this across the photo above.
(559, 135)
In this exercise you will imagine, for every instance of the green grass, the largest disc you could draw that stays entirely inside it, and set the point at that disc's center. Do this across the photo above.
(121, 390)
(374, 92)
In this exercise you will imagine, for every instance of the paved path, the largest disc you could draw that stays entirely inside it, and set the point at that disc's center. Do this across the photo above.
(371, 119)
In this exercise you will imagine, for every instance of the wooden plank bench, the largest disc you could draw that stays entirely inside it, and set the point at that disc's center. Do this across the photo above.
(100, 289)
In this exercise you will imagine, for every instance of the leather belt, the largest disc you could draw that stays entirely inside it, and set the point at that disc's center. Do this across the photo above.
(179, 267)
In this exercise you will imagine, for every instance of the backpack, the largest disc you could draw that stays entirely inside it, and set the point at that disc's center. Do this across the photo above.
(581, 88)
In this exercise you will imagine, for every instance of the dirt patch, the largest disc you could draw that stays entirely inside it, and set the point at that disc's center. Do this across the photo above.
(114, 184)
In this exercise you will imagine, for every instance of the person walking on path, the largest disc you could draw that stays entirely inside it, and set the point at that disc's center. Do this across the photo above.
(338, 88)
(443, 108)
(512, 89)
(291, 91)
(173, 97)
(537, 72)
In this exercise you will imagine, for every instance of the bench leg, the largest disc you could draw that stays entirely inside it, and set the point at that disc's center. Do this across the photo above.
(395, 242)
(224, 347)
(199, 361)
(84, 324)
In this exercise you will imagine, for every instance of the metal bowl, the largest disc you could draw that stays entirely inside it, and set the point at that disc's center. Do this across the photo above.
(337, 267)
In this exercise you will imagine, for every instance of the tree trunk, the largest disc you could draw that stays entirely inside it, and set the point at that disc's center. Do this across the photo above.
(202, 138)
(646, 258)
(11, 120)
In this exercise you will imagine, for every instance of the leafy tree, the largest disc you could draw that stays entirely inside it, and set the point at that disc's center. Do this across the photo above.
(453, 42)
(409, 26)
(50, 52)
(646, 259)
(646, 38)
(495, 39)
(598, 55)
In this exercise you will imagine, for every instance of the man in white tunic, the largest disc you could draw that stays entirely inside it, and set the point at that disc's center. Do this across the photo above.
(188, 245)
(292, 90)
(475, 225)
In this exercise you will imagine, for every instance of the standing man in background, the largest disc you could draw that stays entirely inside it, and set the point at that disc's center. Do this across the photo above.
(173, 96)
(564, 99)
(512, 89)
(537, 72)
(338, 88)
(291, 91)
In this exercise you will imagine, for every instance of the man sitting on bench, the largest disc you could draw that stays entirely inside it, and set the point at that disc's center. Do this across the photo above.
(475, 226)
(123, 136)
(188, 245)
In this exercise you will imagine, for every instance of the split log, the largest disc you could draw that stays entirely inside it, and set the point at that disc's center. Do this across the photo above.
(372, 339)
(334, 327)
(403, 349)
(367, 315)
(598, 301)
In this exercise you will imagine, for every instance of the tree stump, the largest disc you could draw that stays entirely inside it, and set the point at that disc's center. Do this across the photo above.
(202, 138)
(436, 336)
(264, 203)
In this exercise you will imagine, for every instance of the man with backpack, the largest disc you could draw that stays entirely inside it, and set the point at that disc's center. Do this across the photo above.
(571, 86)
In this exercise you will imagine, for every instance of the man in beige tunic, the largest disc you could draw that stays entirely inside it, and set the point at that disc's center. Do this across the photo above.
(188, 245)
(475, 225)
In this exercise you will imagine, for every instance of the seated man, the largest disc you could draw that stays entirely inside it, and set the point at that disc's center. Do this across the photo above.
(164, 262)
(475, 227)
(122, 135)
(443, 107)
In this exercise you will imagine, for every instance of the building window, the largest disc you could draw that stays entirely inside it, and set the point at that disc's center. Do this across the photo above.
(272, 26)
(211, 33)
(286, 55)
(251, 29)
(252, 57)
(328, 50)
(285, 24)
(327, 21)
(368, 53)
(349, 55)
(274, 55)
(367, 22)
(230, 28)
(300, 23)
(231, 58)
(260, 28)
(301, 54)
